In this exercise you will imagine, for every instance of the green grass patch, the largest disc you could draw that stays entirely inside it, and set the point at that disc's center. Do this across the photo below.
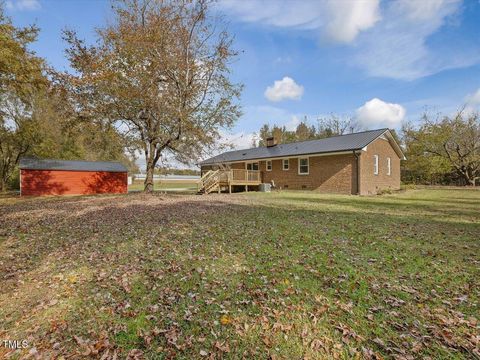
(284, 275)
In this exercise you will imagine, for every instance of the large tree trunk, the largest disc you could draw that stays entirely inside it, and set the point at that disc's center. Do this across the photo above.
(148, 184)
(151, 159)
(3, 185)
(468, 176)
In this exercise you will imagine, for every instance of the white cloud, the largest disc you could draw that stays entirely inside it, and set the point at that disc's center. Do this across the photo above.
(377, 113)
(473, 99)
(340, 21)
(305, 14)
(23, 5)
(398, 46)
(283, 89)
(292, 124)
(472, 103)
(424, 10)
(348, 19)
(390, 41)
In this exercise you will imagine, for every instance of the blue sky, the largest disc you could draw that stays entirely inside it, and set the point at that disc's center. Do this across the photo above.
(381, 62)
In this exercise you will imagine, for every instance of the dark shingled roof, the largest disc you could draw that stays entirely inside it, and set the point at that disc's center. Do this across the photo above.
(71, 165)
(349, 142)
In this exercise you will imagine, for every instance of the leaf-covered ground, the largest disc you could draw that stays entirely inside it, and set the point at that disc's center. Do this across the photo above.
(167, 186)
(287, 275)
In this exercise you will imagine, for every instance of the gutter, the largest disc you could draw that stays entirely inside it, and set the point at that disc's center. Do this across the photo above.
(357, 157)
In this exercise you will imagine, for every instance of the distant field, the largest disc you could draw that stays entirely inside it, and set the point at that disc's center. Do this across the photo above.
(166, 185)
(281, 275)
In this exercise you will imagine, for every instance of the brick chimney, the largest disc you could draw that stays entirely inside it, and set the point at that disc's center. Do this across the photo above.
(271, 141)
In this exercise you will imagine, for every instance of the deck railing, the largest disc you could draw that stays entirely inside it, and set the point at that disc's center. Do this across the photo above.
(213, 179)
(245, 175)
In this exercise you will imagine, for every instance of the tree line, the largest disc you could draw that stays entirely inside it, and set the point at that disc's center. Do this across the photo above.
(325, 127)
(440, 149)
(156, 80)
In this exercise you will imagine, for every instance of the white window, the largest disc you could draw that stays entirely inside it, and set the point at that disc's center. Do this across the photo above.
(269, 165)
(252, 166)
(375, 164)
(303, 166)
(389, 169)
(285, 164)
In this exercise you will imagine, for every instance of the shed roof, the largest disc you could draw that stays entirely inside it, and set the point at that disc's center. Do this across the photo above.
(348, 142)
(71, 165)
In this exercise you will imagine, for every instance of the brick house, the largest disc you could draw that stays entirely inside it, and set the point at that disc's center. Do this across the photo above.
(359, 163)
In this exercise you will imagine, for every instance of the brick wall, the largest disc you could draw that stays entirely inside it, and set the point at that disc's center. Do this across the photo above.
(337, 173)
(205, 168)
(371, 183)
(332, 174)
(238, 166)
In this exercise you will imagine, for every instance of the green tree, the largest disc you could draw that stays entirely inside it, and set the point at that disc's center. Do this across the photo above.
(20, 69)
(278, 133)
(263, 134)
(66, 135)
(329, 126)
(21, 77)
(162, 70)
(38, 119)
(444, 144)
(304, 132)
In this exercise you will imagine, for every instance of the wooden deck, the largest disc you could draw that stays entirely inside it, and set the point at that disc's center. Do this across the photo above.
(215, 180)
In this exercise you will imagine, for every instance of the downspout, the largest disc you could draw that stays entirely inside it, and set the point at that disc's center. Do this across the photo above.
(357, 157)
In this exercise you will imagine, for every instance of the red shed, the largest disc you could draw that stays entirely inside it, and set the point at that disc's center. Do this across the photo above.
(61, 177)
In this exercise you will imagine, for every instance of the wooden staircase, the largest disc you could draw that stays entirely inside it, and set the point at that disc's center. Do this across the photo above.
(209, 182)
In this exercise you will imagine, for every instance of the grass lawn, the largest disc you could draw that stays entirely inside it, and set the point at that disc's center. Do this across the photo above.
(286, 275)
(166, 185)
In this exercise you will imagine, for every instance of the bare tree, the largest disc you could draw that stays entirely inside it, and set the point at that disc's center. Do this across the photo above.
(336, 125)
(161, 69)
